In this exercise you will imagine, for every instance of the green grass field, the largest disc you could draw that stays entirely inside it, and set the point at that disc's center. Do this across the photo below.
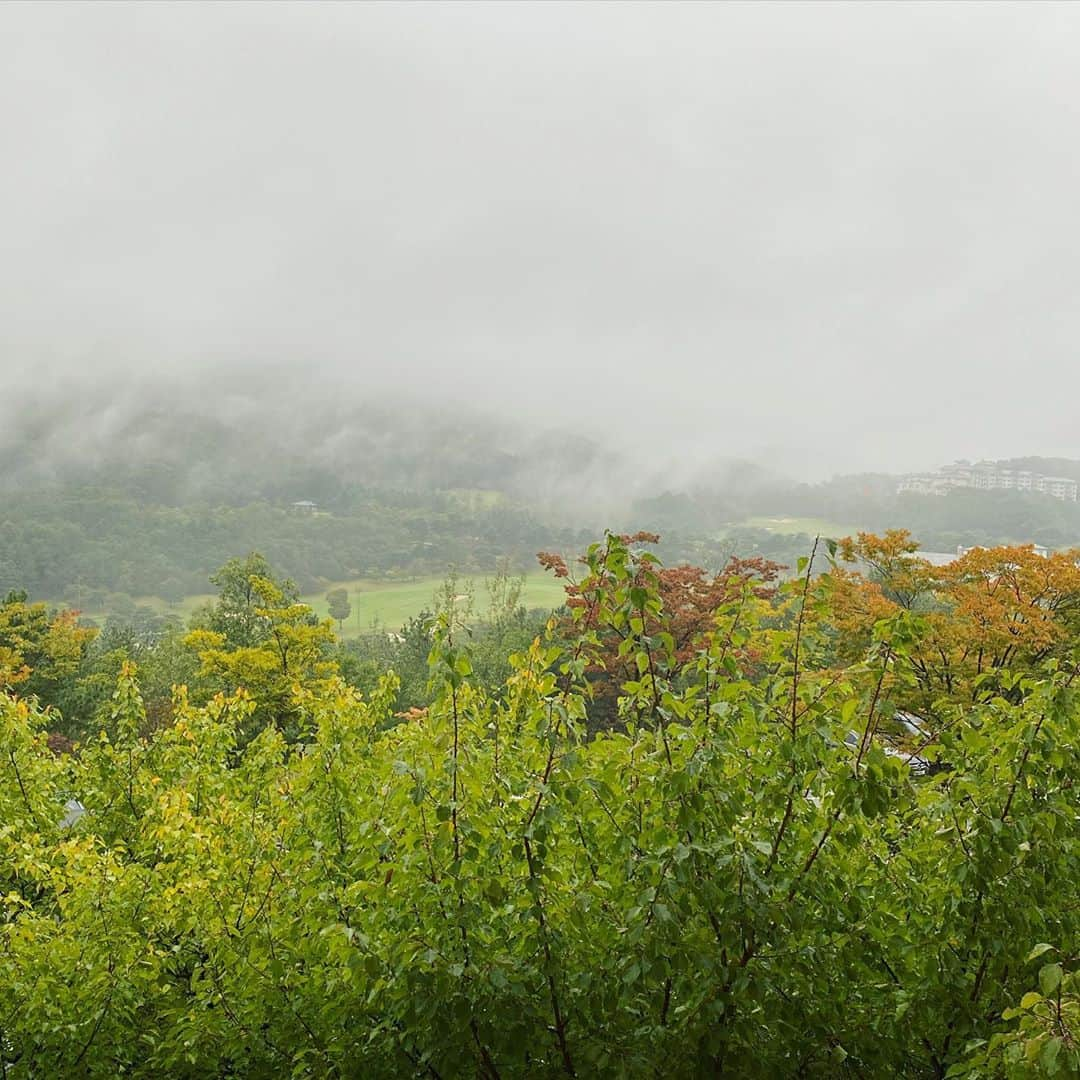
(391, 604)
(810, 526)
(388, 603)
(183, 610)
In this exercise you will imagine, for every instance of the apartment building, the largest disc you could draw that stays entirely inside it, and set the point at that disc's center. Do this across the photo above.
(987, 476)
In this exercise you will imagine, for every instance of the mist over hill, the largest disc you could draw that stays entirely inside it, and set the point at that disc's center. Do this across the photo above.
(233, 443)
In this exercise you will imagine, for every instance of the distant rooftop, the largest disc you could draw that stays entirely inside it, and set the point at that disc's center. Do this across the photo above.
(937, 558)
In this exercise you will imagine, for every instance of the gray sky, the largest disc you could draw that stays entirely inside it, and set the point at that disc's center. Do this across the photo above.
(829, 237)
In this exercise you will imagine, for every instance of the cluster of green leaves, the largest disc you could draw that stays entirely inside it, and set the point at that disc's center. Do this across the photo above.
(728, 885)
(1042, 1038)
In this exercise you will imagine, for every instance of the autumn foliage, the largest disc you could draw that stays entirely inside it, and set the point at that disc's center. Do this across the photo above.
(990, 610)
(38, 647)
(681, 601)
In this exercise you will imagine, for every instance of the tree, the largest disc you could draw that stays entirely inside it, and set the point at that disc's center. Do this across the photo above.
(339, 606)
(688, 598)
(171, 590)
(992, 610)
(236, 613)
(290, 653)
(39, 648)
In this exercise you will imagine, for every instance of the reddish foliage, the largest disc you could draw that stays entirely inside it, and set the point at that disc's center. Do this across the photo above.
(640, 537)
(555, 563)
(59, 744)
(690, 598)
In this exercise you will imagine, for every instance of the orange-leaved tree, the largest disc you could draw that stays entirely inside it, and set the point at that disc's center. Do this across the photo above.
(1006, 608)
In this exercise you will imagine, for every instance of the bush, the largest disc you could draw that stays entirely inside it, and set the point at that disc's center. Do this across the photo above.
(723, 887)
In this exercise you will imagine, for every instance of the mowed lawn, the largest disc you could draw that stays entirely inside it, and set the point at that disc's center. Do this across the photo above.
(386, 603)
(392, 604)
(810, 526)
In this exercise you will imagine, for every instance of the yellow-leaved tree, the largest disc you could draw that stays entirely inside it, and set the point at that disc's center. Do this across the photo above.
(285, 649)
(38, 647)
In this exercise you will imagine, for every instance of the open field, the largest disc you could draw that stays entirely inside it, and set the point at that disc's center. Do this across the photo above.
(392, 603)
(388, 603)
(182, 610)
(810, 526)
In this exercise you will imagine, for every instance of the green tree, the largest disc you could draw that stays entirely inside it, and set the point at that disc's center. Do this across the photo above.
(236, 614)
(339, 606)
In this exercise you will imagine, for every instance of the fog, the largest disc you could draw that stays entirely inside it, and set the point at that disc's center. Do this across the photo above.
(827, 238)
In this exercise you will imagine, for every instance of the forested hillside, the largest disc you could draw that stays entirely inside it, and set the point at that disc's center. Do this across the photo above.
(77, 544)
(963, 517)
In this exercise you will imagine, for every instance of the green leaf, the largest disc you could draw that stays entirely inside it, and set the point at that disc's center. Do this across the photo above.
(1049, 979)
(1049, 1054)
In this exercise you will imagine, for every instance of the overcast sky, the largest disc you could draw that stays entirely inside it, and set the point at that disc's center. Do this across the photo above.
(829, 237)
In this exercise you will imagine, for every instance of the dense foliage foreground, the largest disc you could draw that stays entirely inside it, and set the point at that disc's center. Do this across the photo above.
(737, 878)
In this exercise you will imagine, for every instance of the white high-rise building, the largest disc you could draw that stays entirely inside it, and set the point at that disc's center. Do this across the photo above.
(987, 476)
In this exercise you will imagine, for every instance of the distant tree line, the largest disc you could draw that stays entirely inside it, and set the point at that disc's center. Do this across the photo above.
(81, 545)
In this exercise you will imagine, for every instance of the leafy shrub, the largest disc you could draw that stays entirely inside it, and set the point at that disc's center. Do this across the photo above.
(727, 885)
